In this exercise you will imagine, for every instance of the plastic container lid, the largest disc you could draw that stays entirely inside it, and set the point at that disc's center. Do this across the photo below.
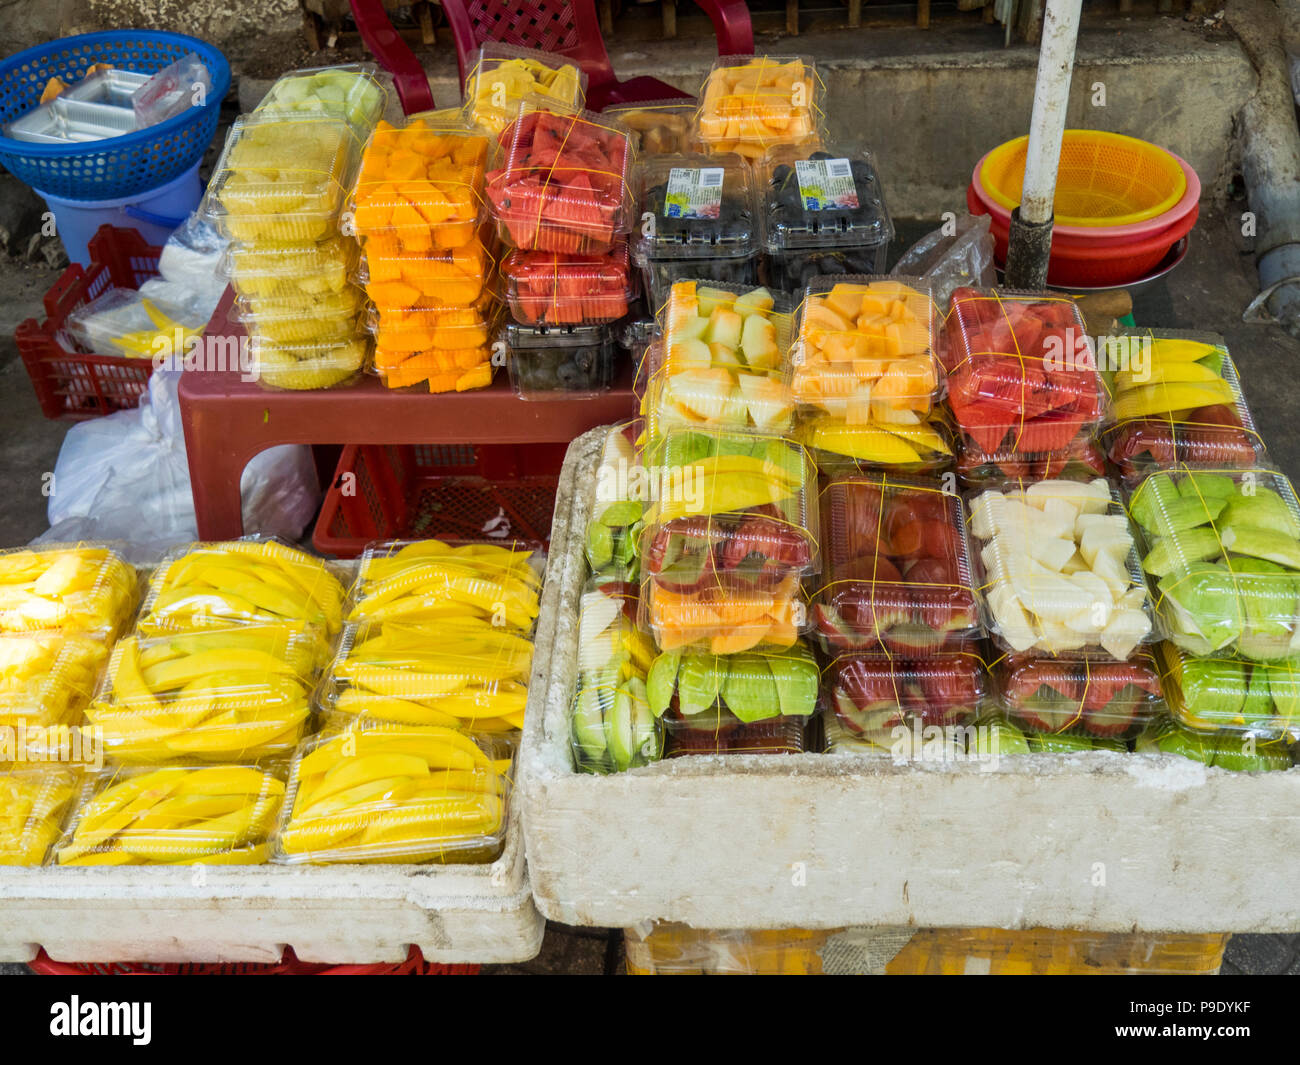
(429, 580)
(1178, 400)
(407, 795)
(1221, 549)
(351, 91)
(722, 620)
(1021, 370)
(822, 199)
(575, 360)
(840, 447)
(896, 568)
(83, 587)
(888, 701)
(505, 75)
(750, 103)
(565, 183)
(253, 582)
(291, 271)
(1058, 570)
(47, 678)
(454, 674)
(864, 350)
(420, 188)
(1229, 693)
(33, 804)
(1094, 697)
(546, 288)
(1223, 750)
(696, 207)
(659, 127)
(283, 179)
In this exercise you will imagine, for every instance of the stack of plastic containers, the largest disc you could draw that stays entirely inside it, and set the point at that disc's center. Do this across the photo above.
(428, 261)
(698, 220)
(278, 194)
(1221, 549)
(60, 608)
(562, 200)
(1023, 387)
(866, 378)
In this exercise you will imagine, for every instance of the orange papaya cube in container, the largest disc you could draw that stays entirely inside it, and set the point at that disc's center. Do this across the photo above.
(420, 188)
(565, 184)
(753, 102)
(441, 277)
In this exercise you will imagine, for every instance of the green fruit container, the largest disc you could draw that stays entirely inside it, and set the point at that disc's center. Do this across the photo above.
(1226, 749)
(1221, 549)
(1228, 693)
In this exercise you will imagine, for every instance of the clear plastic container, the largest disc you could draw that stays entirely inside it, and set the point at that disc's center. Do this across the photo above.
(1057, 567)
(47, 678)
(351, 91)
(864, 351)
(1083, 459)
(751, 103)
(421, 581)
(33, 805)
(1231, 694)
(823, 213)
(614, 532)
(886, 702)
(1023, 383)
(171, 91)
(1221, 550)
(840, 448)
(565, 183)
(1178, 400)
(177, 815)
(461, 674)
(722, 620)
(441, 277)
(897, 575)
(697, 221)
(547, 288)
(333, 316)
(419, 327)
(240, 582)
(396, 795)
(283, 179)
(420, 188)
(123, 322)
(306, 366)
(676, 950)
(237, 694)
(1229, 750)
(659, 127)
(504, 76)
(291, 272)
(1091, 697)
(571, 361)
(83, 588)
(439, 369)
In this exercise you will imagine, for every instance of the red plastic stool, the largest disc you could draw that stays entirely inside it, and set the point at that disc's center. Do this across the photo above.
(566, 27)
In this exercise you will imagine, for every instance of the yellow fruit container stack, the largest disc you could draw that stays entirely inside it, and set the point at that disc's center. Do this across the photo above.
(421, 709)
(60, 608)
(427, 259)
(278, 194)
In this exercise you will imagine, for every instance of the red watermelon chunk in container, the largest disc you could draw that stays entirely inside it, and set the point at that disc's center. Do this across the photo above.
(547, 288)
(564, 186)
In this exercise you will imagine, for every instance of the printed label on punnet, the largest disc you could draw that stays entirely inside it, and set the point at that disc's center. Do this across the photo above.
(826, 184)
(694, 192)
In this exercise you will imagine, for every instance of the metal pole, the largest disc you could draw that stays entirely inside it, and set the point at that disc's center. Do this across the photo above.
(1030, 240)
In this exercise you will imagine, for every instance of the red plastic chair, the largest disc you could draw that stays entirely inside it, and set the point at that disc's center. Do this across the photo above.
(566, 27)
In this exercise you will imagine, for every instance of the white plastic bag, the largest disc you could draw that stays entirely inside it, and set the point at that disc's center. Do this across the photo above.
(951, 261)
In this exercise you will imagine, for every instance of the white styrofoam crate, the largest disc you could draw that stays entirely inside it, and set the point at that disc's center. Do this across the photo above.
(1102, 841)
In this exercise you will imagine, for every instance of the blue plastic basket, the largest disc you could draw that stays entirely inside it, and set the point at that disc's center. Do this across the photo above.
(118, 166)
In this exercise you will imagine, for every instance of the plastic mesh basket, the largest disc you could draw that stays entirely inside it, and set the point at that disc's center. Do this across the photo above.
(118, 166)
(1104, 179)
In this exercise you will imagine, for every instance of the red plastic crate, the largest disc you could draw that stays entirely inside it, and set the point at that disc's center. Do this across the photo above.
(438, 491)
(289, 965)
(70, 384)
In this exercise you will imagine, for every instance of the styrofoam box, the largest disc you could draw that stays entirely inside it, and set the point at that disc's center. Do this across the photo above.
(342, 914)
(1103, 841)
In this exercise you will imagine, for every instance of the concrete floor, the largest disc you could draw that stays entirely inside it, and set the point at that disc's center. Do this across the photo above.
(1208, 291)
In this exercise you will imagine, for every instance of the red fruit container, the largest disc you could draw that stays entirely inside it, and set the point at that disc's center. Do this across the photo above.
(719, 732)
(897, 568)
(1110, 699)
(884, 703)
(565, 184)
(546, 288)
